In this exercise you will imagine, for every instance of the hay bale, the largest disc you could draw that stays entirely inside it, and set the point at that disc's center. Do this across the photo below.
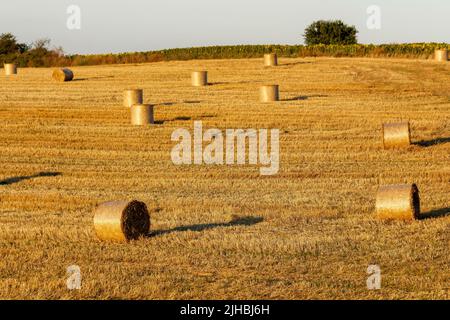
(398, 202)
(441, 55)
(121, 220)
(269, 93)
(199, 78)
(10, 68)
(270, 60)
(142, 114)
(396, 135)
(63, 75)
(133, 96)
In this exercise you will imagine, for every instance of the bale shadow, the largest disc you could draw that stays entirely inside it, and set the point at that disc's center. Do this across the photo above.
(299, 98)
(205, 116)
(92, 78)
(181, 118)
(239, 221)
(432, 142)
(229, 82)
(168, 104)
(294, 63)
(435, 213)
(13, 180)
(184, 118)
(216, 83)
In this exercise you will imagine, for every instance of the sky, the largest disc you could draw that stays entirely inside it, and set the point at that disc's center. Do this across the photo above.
(143, 25)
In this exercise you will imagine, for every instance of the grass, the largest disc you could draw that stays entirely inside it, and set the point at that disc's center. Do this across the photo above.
(224, 231)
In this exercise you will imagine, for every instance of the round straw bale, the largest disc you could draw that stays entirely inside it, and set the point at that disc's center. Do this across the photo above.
(63, 75)
(269, 93)
(270, 60)
(396, 135)
(199, 78)
(121, 220)
(10, 69)
(133, 96)
(441, 55)
(141, 114)
(398, 202)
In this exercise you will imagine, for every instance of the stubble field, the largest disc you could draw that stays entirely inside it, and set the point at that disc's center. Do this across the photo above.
(225, 232)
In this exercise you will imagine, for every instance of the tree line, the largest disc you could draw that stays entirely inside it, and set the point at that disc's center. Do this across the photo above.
(322, 38)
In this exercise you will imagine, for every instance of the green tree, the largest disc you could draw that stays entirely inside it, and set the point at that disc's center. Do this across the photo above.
(330, 32)
(9, 45)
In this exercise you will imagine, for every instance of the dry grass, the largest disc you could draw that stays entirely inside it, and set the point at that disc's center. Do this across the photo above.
(309, 232)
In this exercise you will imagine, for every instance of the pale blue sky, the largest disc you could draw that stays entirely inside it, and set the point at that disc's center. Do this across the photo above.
(142, 25)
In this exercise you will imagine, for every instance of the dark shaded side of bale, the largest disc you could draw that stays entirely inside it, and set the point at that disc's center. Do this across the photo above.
(121, 220)
(398, 202)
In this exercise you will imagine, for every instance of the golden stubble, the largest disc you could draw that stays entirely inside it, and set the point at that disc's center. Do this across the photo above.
(308, 232)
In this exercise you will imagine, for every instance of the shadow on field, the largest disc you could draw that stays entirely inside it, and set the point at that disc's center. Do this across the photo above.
(294, 63)
(181, 118)
(184, 118)
(228, 82)
(429, 143)
(165, 104)
(205, 116)
(92, 78)
(239, 221)
(297, 98)
(168, 104)
(435, 213)
(21, 178)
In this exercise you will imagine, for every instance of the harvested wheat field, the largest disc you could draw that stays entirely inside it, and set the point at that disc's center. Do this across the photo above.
(226, 232)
